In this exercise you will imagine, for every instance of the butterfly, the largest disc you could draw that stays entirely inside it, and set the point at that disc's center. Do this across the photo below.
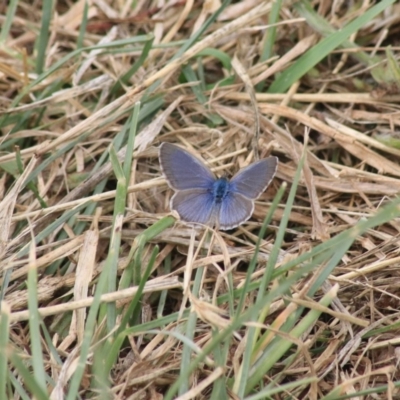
(204, 199)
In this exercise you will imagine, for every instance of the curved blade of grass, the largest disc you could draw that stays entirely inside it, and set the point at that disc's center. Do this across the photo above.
(4, 336)
(384, 215)
(131, 142)
(43, 38)
(283, 388)
(188, 44)
(17, 387)
(112, 261)
(195, 37)
(270, 33)
(24, 120)
(58, 153)
(73, 54)
(117, 144)
(135, 306)
(221, 355)
(7, 22)
(132, 273)
(269, 37)
(145, 327)
(52, 227)
(30, 185)
(389, 73)
(38, 238)
(80, 226)
(29, 380)
(135, 67)
(197, 90)
(322, 26)
(280, 345)
(335, 394)
(226, 62)
(190, 331)
(92, 315)
(82, 28)
(131, 312)
(323, 48)
(220, 55)
(34, 322)
(164, 293)
(107, 355)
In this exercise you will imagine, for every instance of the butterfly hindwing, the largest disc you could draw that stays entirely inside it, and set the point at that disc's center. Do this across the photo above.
(194, 205)
(235, 209)
(182, 170)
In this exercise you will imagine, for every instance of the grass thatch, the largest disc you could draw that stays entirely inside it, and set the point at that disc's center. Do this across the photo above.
(105, 294)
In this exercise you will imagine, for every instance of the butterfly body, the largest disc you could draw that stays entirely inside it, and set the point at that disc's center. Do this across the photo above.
(220, 190)
(202, 198)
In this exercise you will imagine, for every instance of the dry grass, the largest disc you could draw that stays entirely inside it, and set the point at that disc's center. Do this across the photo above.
(157, 307)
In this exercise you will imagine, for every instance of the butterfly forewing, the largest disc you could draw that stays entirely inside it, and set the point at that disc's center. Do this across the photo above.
(194, 205)
(235, 209)
(182, 170)
(254, 179)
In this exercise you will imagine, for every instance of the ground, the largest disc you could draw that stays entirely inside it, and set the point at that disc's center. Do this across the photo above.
(106, 293)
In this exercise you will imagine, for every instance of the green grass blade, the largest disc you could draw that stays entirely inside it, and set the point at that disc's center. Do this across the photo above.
(83, 26)
(28, 378)
(7, 22)
(323, 48)
(4, 337)
(269, 37)
(44, 34)
(34, 324)
(93, 311)
(112, 261)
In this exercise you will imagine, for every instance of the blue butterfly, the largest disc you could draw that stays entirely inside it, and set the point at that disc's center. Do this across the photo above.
(202, 198)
